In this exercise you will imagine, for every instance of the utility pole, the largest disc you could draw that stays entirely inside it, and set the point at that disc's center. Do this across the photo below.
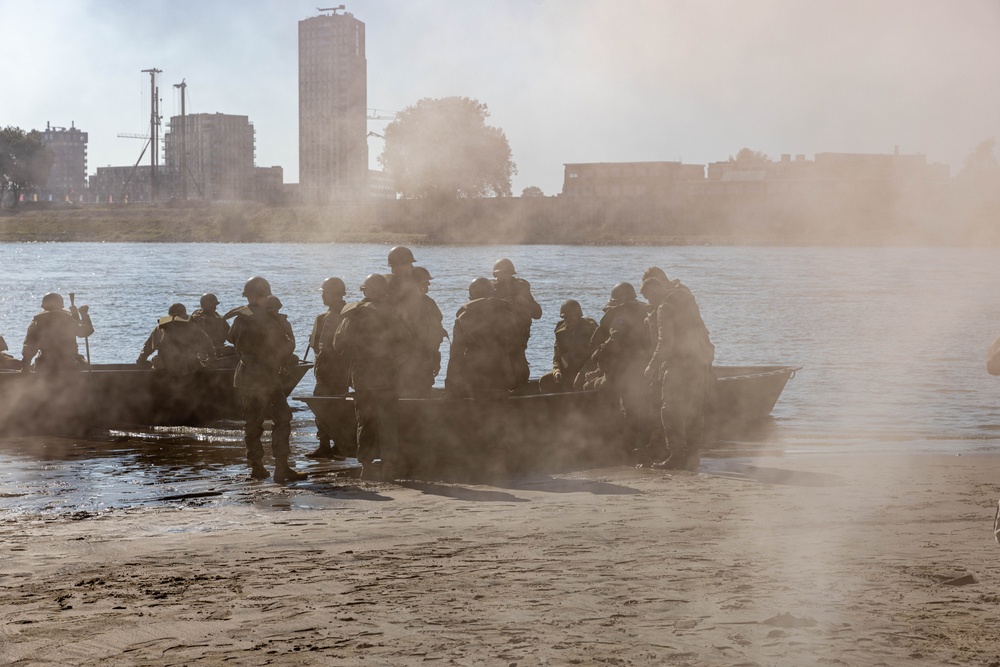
(184, 164)
(154, 131)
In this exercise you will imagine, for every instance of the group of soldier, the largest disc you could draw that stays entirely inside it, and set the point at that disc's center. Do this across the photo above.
(387, 345)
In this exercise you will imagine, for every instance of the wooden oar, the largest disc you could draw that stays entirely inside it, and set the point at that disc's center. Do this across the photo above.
(86, 339)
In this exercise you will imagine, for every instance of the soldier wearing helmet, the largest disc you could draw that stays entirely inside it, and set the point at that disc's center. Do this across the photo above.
(517, 293)
(572, 349)
(181, 347)
(369, 336)
(52, 336)
(486, 346)
(208, 319)
(419, 356)
(264, 345)
(622, 350)
(332, 372)
(681, 365)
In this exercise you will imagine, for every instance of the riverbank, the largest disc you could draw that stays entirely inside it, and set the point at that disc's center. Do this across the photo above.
(818, 559)
(506, 221)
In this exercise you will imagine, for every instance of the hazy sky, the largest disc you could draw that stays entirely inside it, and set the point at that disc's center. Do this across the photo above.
(567, 80)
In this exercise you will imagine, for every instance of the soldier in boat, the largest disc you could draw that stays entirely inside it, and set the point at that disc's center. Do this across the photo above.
(52, 336)
(215, 326)
(681, 363)
(419, 358)
(263, 344)
(181, 347)
(571, 351)
(486, 346)
(7, 362)
(622, 352)
(369, 336)
(332, 373)
(517, 293)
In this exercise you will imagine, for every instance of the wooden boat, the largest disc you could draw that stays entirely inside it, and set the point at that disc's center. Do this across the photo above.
(441, 436)
(117, 395)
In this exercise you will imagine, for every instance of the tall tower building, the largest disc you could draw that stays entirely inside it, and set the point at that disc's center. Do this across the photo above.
(333, 102)
(217, 152)
(68, 178)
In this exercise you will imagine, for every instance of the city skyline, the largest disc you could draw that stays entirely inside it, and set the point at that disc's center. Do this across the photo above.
(568, 82)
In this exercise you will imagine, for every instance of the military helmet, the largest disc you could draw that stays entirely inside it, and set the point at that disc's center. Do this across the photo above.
(655, 272)
(503, 264)
(570, 306)
(400, 255)
(177, 310)
(375, 285)
(256, 286)
(422, 275)
(52, 301)
(273, 303)
(481, 288)
(651, 287)
(208, 300)
(334, 284)
(622, 293)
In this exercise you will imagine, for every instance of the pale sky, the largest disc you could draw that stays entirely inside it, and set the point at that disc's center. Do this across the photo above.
(567, 80)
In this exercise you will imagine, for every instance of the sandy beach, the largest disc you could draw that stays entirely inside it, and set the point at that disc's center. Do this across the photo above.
(833, 559)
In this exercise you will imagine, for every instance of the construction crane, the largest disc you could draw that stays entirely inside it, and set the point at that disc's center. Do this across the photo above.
(144, 137)
(381, 114)
(330, 9)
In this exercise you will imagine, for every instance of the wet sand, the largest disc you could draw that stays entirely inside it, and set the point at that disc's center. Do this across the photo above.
(832, 559)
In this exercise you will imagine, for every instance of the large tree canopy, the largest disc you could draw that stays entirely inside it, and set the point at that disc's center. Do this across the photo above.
(25, 162)
(443, 147)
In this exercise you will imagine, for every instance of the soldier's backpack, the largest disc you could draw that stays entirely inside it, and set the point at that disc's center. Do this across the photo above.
(993, 358)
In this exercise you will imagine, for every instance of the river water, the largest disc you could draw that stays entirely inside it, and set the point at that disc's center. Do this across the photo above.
(891, 341)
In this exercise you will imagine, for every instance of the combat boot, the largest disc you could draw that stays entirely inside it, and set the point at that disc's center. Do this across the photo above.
(284, 473)
(257, 469)
(324, 451)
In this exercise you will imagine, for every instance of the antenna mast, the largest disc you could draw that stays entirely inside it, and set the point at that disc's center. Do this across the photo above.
(184, 183)
(154, 131)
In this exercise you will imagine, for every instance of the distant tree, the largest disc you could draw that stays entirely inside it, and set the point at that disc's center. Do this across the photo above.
(532, 191)
(981, 164)
(443, 147)
(750, 158)
(25, 162)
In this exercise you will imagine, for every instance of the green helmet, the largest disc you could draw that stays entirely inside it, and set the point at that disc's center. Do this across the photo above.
(209, 300)
(481, 288)
(256, 286)
(622, 293)
(375, 286)
(400, 255)
(52, 301)
(421, 275)
(334, 284)
(503, 265)
(570, 306)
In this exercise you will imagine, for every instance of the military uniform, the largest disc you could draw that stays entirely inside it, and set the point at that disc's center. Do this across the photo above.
(683, 358)
(181, 347)
(53, 334)
(263, 343)
(369, 336)
(570, 354)
(214, 326)
(7, 362)
(333, 375)
(485, 349)
(623, 350)
(517, 293)
(419, 354)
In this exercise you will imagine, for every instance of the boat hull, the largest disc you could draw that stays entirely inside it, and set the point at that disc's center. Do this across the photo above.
(118, 395)
(440, 436)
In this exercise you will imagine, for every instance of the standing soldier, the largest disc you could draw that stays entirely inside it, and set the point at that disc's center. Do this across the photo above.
(369, 336)
(485, 348)
(332, 372)
(682, 359)
(432, 332)
(571, 351)
(517, 293)
(263, 345)
(416, 375)
(623, 351)
(52, 335)
(214, 325)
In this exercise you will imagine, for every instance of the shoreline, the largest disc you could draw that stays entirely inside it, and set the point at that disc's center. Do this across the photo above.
(811, 559)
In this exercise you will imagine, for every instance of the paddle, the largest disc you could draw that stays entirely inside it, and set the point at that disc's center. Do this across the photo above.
(86, 339)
